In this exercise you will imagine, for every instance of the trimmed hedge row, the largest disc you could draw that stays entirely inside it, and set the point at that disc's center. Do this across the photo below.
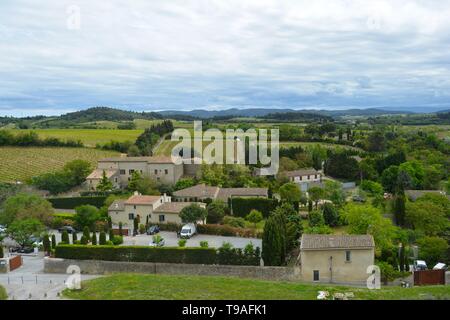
(242, 206)
(72, 203)
(227, 231)
(137, 254)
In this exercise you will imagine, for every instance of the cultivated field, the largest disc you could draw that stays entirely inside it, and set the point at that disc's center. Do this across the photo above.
(90, 137)
(20, 163)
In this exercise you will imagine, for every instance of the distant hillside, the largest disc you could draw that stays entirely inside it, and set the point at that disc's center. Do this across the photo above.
(107, 114)
(263, 113)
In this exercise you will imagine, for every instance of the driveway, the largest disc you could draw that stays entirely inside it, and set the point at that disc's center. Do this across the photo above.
(29, 282)
(171, 240)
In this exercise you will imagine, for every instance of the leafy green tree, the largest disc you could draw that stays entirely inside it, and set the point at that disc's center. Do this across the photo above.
(46, 244)
(135, 177)
(216, 211)
(316, 194)
(105, 184)
(330, 215)
(22, 230)
(102, 238)
(86, 233)
(376, 141)
(400, 208)
(290, 192)
(184, 183)
(316, 219)
(371, 187)
(94, 239)
(254, 217)
(415, 171)
(365, 219)
(65, 237)
(273, 242)
(25, 206)
(74, 237)
(54, 243)
(427, 217)
(86, 216)
(193, 213)
(432, 250)
(77, 170)
(389, 178)
(84, 240)
(334, 192)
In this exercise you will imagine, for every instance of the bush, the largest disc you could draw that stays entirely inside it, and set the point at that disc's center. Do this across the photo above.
(53, 241)
(72, 203)
(46, 243)
(316, 219)
(243, 206)
(236, 222)
(117, 240)
(65, 237)
(102, 238)
(94, 239)
(204, 244)
(141, 229)
(138, 254)
(86, 233)
(84, 240)
(227, 255)
(227, 231)
(170, 226)
(182, 243)
(1, 251)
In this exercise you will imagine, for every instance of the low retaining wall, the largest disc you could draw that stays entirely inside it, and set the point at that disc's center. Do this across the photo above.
(56, 265)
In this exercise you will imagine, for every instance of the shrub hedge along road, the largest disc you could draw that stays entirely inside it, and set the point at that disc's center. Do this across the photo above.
(72, 203)
(137, 254)
(185, 255)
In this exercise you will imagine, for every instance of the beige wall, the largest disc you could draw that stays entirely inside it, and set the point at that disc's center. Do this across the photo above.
(306, 178)
(342, 271)
(158, 172)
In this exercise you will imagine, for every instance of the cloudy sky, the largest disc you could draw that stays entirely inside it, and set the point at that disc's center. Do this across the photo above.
(60, 56)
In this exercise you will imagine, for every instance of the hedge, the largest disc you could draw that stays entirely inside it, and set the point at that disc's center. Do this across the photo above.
(72, 203)
(214, 229)
(242, 206)
(138, 254)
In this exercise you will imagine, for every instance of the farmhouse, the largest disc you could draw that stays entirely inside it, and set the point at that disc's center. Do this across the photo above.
(202, 192)
(158, 209)
(304, 175)
(120, 169)
(336, 258)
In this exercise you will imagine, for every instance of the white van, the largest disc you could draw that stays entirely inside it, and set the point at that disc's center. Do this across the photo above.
(188, 230)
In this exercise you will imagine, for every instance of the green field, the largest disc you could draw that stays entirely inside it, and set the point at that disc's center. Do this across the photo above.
(90, 137)
(170, 287)
(3, 295)
(20, 163)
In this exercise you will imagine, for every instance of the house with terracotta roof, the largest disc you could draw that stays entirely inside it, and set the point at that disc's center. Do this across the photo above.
(158, 209)
(120, 169)
(202, 192)
(336, 258)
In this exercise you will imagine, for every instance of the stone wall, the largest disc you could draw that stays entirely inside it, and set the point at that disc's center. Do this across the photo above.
(56, 265)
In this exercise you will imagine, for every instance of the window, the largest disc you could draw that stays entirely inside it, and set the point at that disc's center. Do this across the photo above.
(166, 171)
(134, 207)
(316, 275)
(162, 218)
(122, 171)
(315, 176)
(301, 178)
(348, 256)
(156, 171)
(115, 180)
(130, 171)
(131, 216)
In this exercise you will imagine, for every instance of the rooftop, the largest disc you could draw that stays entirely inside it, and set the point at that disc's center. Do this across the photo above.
(172, 207)
(301, 172)
(118, 205)
(225, 193)
(155, 159)
(321, 241)
(143, 200)
(98, 173)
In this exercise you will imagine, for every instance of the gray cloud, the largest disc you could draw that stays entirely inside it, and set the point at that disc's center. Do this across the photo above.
(211, 54)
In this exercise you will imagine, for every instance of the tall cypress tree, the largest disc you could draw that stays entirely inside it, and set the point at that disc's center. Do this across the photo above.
(94, 239)
(53, 241)
(65, 237)
(74, 238)
(46, 243)
(400, 208)
(273, 242)
(402, 257)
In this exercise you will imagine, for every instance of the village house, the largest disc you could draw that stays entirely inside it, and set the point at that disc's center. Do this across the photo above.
(119, 170)
(158, 209)
(304, 175)
(202, 192)
(336, 258)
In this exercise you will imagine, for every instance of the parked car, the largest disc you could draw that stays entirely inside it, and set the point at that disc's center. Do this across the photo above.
(25, 250)
(36, 241)
(69, 229)
(2, 229)
(152, 230)
(158, 242)
(188, 230)
(420, 265)
(358, 198)
(440, 266)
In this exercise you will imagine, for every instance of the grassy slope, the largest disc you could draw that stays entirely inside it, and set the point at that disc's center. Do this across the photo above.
(20, 163)
(3, 295)
(165, 287)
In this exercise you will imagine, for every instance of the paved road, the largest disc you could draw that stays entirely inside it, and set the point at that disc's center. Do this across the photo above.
(30, 283)
(171, 240)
